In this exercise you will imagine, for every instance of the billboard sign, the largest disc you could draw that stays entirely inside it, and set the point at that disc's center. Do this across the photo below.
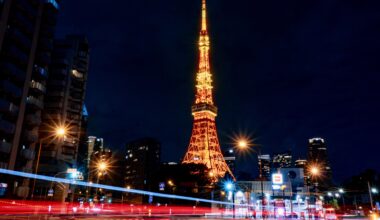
(277, 179)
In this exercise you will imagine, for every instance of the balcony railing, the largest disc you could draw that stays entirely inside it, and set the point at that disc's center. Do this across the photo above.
(28, 154)
(33, 119)
(35, 102)
(55, 117)
(37, 86)
(77, 74)
(56, 94)
(31, 136)
(8, 107)
(58, 104)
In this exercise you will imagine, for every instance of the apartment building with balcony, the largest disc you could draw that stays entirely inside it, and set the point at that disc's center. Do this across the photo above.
(26, 41)
(64, 103)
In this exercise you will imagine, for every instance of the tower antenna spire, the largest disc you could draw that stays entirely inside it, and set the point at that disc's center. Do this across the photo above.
(204, 16)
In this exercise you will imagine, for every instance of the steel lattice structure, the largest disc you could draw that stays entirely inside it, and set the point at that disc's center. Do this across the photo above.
(204, 145)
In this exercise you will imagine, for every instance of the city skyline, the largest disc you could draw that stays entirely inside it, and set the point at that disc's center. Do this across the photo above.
(274, 78)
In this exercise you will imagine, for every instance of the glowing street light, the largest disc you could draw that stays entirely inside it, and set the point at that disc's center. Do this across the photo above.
(341, 191)
(242, 144)
(374, 191)
(170, 182)
(59, 132)
(314, 170)
(102, 166)
(229, 186)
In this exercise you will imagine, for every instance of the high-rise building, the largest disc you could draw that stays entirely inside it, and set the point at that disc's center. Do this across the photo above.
(142, 161)
(101, 164)
(264, 166)
(103, 169)
(204, 145)
(282, 160)
(317, 156)
(26, 33)
(229, 157)
(64, 104)
(301, 163)
(83, 156)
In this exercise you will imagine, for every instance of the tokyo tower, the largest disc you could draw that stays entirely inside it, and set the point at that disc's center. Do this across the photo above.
(204, 145)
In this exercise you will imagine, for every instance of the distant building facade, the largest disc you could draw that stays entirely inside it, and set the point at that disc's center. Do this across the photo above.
(83, 157)
(282, 160)
(301, 163)
(264, 165)
(142, 161)
(64, 102)
(317, 155)
(26, 42)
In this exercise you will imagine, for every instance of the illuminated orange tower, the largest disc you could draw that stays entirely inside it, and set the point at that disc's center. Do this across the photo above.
(204, 145)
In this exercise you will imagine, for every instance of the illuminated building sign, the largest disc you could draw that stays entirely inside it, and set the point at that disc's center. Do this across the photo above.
(277, 179)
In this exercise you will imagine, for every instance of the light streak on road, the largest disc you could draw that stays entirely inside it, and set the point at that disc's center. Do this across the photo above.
(108, 187)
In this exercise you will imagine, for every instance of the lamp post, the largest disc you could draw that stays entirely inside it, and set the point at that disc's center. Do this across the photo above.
(370, 191)
(314, 173)
(101, 168)
(341, 191)
(230, 187)
(59, 132)
(243, 144)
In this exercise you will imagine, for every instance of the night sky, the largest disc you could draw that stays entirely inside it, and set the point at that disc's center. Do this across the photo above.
(284, 71)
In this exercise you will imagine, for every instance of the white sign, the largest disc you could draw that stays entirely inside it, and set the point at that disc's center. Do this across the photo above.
(277, 179)
(71, 170)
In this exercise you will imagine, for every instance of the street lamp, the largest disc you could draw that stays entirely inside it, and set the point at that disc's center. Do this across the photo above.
(371, 190)
(59, 132)
(242, 144)
(170, 182)
(341, 191)
(230, 187)
(314, 172)
(102, 166)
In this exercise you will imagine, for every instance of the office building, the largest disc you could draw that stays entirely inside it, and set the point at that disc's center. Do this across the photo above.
(93, 144)
(64, 105)
(101, 164)
(142, 161)
(83, 156)
(301, 163)
(264, 166)
(26, 42)
(282, 160)
(317, 156)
